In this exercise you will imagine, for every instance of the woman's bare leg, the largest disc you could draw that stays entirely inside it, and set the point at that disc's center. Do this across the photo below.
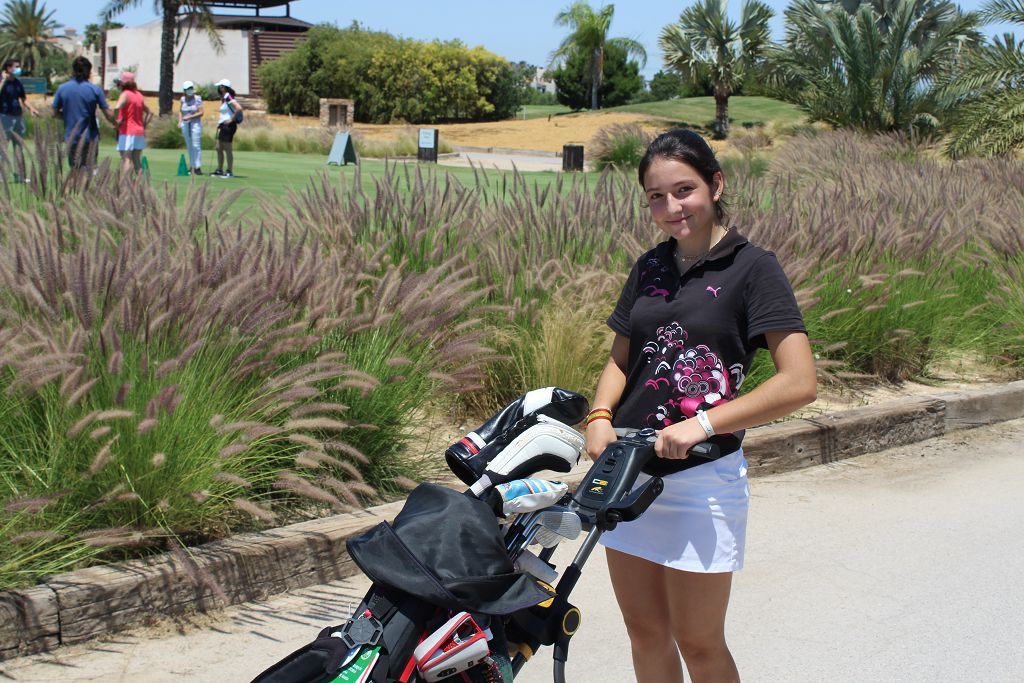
(641, 591)
(697, 604)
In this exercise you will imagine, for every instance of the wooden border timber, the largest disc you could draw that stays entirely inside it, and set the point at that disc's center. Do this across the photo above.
(77, 606)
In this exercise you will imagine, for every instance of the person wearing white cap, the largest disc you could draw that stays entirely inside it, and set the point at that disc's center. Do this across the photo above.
(190, 120)
(227, 124)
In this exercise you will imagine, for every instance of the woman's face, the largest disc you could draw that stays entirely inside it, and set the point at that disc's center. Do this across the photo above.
(682, 203)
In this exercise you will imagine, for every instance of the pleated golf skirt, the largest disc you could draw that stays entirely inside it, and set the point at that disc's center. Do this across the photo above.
(697, 524)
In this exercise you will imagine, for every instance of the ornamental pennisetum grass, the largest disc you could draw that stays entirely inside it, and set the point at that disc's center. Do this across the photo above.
(163, 382)
(165, 378)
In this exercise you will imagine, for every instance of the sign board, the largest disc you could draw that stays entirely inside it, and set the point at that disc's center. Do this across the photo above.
(36, 86)
(342, 151)
(428, 145)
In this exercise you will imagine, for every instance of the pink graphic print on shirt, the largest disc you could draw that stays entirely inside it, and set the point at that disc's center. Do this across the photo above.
(693, 376)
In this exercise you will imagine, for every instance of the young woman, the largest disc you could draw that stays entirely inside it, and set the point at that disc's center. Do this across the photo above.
(190, 120)
(226, 127)
(132, 116)
(692, 314)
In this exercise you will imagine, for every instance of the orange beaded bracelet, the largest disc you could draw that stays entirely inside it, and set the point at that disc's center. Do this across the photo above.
(598, 414)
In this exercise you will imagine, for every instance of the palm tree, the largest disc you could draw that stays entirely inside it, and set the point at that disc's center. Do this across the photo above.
(589, 35)
(198, 12)
(95, 38)
(874, 71)
(25, 32)
(989, 91)
(706, 43)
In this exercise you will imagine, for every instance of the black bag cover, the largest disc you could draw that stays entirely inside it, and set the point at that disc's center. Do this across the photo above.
(468, 457)
(312, 663)
(446, 549)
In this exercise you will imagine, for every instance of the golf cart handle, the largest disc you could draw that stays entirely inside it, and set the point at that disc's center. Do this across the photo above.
(632, 506)
(606, 496)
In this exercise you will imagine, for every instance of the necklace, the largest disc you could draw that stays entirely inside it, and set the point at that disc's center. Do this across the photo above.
(683, 260)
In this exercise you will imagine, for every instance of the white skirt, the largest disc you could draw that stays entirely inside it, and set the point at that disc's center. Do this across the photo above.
(697, 524)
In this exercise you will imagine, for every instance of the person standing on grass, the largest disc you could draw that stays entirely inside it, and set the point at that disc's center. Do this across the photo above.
(190, 120)
(227, 124)
(13, 102)
(690, 317)
(76, 101)
(133, 116)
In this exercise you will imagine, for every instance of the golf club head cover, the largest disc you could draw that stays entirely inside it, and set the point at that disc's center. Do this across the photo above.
(525, 495)
(459, 644)
(534, 566)
(545, 445)
(467, 457)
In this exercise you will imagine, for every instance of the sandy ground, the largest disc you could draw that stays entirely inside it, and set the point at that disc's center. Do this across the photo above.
(543, 134)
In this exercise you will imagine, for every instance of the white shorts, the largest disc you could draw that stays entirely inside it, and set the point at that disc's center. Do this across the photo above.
(697, 524)
(131, 143)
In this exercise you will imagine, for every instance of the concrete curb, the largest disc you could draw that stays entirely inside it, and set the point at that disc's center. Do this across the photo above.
(507, 150)
(77, 606)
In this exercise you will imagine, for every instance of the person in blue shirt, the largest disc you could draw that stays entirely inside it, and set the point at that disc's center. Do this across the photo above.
(77, 101)
(12, 105)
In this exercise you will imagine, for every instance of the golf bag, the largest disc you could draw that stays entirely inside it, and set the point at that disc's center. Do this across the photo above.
(452, 599)
(445, 554)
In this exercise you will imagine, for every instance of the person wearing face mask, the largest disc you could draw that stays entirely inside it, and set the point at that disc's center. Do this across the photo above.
(12, 105)
(190, 120)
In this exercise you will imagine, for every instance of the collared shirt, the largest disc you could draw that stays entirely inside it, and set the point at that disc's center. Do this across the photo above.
(77, 101)
(692, 338)
(11, 95)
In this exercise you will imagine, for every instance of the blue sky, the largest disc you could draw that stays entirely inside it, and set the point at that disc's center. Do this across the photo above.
(520, 30)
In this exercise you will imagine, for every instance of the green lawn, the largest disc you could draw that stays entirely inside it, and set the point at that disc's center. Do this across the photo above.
(270, 174)
(699, 111)
(537, 111)
(694, 111)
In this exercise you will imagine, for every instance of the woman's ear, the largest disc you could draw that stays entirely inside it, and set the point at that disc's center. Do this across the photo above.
(718, 185)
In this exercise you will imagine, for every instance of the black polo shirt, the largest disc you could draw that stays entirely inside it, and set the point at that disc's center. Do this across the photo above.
(692, 339)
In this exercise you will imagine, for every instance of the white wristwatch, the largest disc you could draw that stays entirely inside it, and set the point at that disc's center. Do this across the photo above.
(705, 423)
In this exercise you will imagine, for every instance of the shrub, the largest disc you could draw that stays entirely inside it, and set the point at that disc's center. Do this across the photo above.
(393, 79)
(621, 146)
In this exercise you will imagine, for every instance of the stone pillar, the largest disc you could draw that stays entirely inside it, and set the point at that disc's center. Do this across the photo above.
(336, 113)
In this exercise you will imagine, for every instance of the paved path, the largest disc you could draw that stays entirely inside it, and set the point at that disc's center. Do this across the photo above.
(905, 565)
(505, 161)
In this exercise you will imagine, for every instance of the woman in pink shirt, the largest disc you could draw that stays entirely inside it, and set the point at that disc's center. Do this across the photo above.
(132, 116)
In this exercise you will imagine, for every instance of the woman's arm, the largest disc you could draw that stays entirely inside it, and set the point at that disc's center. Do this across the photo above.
(609, 392)
(793, 385)
(116, 109)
